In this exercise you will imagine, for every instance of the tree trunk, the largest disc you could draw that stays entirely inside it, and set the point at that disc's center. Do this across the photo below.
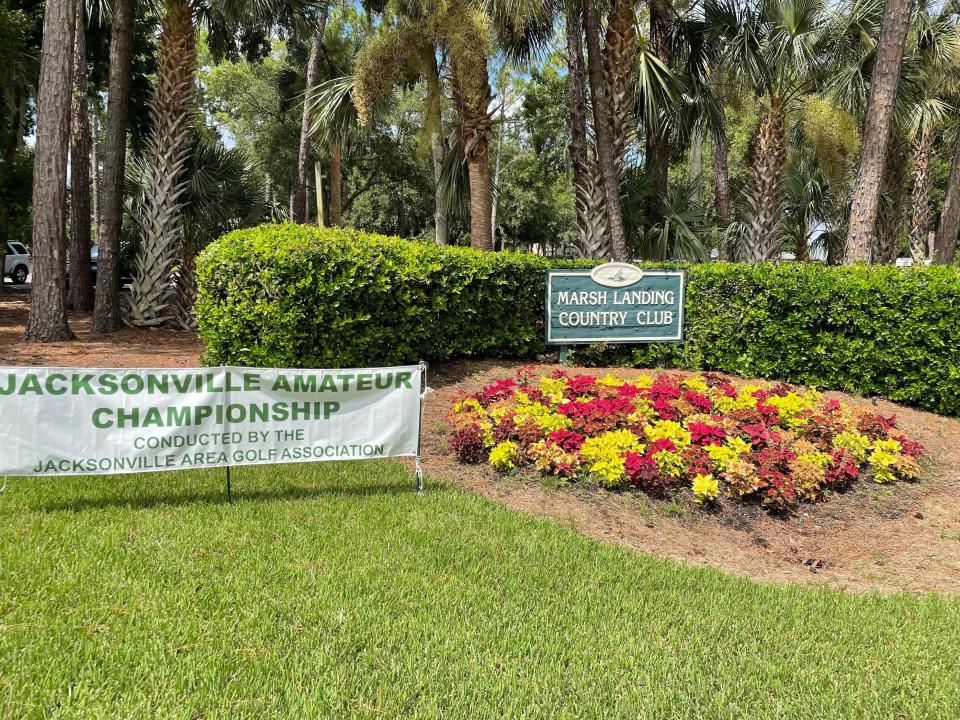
(890, 210)
(922, 214)
(437, 147)
(473, 108)
(106, 311)
(481, 236)
(152, 298)
(619, 52)
(945, 244)
(47, 321)
(762, 240)
(657, 142)
(879, 123)
(80, 292)
(695, 168)
(94, 175)
(336, 183)
(601, 113)
(313, 78)
(592, 227)
(17, 115)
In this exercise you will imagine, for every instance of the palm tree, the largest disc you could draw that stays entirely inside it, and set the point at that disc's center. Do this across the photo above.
(945, 245)
(468, 33)
(106, 311)
(885, 79)
(47, 321)
(776, 50)
(932, 72)
(167, 151)
(312, 80)
(592, 226)
(222, 194)
(603, 130)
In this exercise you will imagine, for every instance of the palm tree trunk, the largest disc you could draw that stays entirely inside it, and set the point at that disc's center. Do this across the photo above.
(879, 123)
(481, 202)
(922, 185)
(945, 245)
(437, 146)
(619, 52)
(106, 311)
(592, 228)
(80, 292)
(890, 211)
(47, 321)
(303, 155)
(152, 293)
(604, 142)
(336, 182)
(473, 108)
(762, 240)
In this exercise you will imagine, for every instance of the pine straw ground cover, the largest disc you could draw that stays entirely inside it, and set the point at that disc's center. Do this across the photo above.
(778, 446)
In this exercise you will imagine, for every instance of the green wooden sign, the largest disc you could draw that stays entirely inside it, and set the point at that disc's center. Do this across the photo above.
(616, 302)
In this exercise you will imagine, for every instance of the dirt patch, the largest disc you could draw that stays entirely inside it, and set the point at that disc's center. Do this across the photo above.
(904, 536)
(126, 348)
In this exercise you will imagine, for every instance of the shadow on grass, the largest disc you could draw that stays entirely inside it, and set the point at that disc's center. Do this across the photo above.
(207, 496)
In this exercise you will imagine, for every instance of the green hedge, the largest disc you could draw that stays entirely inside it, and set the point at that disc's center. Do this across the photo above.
(297, 296)
(287, 295)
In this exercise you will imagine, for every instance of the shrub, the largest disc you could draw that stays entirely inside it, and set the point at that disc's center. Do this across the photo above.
(296, 296)
(776, 446)
(868, 330)
(286, 295)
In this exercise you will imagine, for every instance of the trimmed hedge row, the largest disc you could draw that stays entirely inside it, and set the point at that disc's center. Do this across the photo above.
(296, 296)
(288, 295)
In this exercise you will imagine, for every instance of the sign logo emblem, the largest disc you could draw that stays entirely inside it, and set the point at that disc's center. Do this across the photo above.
(616, 274)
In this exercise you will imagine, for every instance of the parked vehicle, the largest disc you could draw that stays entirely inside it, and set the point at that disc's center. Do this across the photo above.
(19, 263)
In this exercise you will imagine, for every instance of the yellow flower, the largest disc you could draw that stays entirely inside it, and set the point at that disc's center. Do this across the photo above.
(669, 430)
(611, 380)
(503, 455)
(854, 443)
(642, 381)
(789, 407)
(696, 383)
(469, 405)
(669, 463)
(884, 458)
(603, 455)
(553, 388)
(705, 488)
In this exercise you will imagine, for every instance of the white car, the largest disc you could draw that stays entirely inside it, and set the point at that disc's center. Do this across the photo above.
(19, 263)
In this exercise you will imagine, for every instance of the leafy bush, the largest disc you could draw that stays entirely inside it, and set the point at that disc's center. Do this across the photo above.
(290, 295)
(773, 445)
(869, 330)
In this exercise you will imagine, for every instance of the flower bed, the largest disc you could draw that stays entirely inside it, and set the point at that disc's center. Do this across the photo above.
(776, 445)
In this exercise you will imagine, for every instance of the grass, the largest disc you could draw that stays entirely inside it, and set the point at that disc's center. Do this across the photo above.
(332, 590)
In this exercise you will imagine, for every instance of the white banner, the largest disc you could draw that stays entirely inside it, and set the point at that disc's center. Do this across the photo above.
(80, 421)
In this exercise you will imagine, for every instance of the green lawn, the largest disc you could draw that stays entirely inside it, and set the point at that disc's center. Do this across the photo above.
(334, 591)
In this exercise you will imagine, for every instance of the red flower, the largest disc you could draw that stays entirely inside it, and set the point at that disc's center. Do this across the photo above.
(498, 390)
(665, 409)
(704, 434)
(592, 416)
(582, 385)
(875, 426)
(700, 402)
(660, 445)
(908, 446)
(569, 441)
(467, 444)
